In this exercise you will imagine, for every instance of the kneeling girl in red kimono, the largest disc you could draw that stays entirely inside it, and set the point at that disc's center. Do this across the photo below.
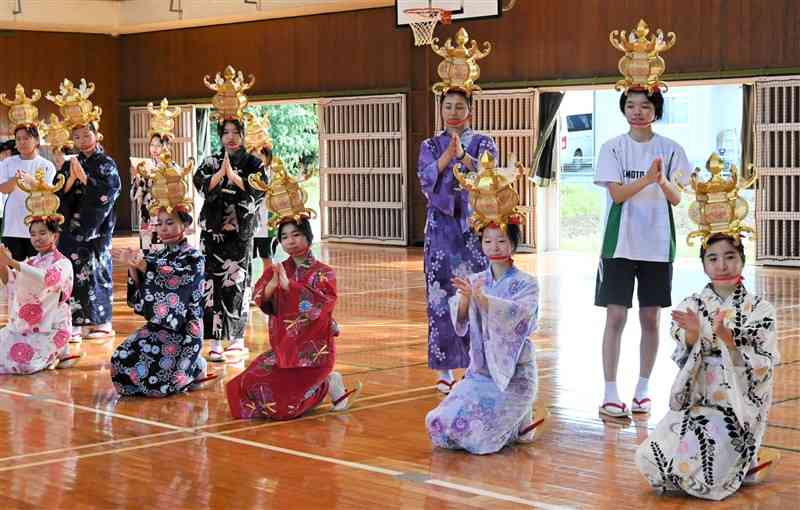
(299, 295)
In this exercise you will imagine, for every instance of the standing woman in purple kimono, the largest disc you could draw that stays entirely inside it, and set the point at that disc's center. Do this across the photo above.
(451, 249)
(87, 203)
(228, 220)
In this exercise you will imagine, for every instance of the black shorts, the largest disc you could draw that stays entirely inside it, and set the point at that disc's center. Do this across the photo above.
(615, 279)
(20, 247)
(262, 247)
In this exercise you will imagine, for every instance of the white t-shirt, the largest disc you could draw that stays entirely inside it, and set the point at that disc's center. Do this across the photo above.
(262, 223)
(15, 211)
(642, 227)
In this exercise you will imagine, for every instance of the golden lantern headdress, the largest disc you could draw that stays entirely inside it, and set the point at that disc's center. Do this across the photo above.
(284, 196)
(256, 136)
(229, 100)
(42, 202)
(162, 120)
(21, 111)
(718, 208)
(76, 109)
(170, 188)
(492, 196)
(57, 134)
(459, 70)
(641, 66)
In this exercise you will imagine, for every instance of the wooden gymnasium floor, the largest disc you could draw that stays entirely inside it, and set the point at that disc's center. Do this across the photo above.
(67, 441)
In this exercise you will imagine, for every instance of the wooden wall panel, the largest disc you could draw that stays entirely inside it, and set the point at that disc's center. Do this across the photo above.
(43, 59)
(344, 51)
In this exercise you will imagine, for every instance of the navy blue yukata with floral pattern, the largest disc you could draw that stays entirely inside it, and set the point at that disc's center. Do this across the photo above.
(162, 357)
(89, 220)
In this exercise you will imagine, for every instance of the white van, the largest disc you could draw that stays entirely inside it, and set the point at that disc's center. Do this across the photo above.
(577, 142)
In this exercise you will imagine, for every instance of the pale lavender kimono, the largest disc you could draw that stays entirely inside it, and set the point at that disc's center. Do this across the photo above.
(485, 411)
(450, 246)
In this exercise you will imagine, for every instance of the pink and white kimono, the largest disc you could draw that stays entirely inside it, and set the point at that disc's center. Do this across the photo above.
(40, 320)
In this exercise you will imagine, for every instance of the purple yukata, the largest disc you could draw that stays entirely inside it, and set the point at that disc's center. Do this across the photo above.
(451, 248)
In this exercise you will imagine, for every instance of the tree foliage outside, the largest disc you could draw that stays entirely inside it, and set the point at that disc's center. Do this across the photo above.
(294, 132)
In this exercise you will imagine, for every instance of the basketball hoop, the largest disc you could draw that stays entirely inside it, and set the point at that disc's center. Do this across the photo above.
(423, 22)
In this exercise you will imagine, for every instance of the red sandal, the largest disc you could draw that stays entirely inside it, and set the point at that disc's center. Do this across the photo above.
(70, 361)
(203, 382)
(344, 399)
(442, 383)
(530, 429)
(641, 406)
(621, 412)
(215, 357)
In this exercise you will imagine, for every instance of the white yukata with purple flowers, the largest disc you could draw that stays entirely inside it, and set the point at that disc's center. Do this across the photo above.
(485, 411)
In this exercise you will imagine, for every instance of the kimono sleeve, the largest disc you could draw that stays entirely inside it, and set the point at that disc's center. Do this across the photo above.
(135, 294)
(459, 327)
(508, 322)
(98, 199)
(264, 304)
(171, 291)
(485, 144)
(303, 319)
(314, 300)
(433, 182)
(193, 292)
(681, 352)
(758, 342)
(202, 179)
(32, 274)
(69, 201)
(255, 166)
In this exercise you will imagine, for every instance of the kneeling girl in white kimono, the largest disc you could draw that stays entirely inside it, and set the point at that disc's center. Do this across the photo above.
(709, 443)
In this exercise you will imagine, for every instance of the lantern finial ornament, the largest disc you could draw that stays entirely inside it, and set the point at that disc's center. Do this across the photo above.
(459, 70)
(284, 196)
(718, 208)
(641, 66)
(21, 111)
(170, 191)
(76, 109)
(491, 194)
(42, 202)
(162, 120)
(230, 100)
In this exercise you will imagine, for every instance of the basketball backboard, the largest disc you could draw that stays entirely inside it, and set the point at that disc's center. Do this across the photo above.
(461, 9)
